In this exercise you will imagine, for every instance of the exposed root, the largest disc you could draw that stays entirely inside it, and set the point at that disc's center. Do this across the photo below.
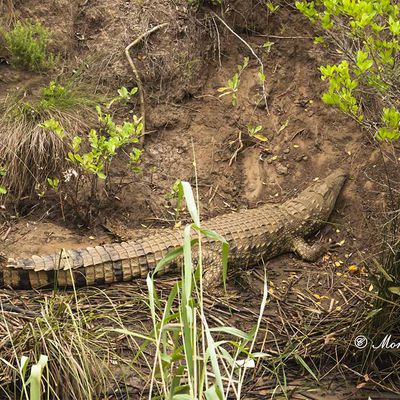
(234, 155)
(136, 73)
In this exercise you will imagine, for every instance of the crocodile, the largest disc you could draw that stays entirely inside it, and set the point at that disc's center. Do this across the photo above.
(253, 235)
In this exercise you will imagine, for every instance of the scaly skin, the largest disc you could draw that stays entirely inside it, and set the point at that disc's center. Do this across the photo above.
(253, 235)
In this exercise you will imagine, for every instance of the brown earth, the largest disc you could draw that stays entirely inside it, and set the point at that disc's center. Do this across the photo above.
(186, 118)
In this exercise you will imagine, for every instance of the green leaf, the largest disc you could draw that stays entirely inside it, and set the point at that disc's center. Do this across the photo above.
(232, 331)
(395, 290)
(211, 350)
(261, 138)
(36, 377)
(212, 394)
(372, 313)
(123, 92)
(190, 202)
(362, 61)
(172, 255)
(305, 365)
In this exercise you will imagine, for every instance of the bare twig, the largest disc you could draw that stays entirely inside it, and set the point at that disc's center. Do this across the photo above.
(136, 73)
(218, 41)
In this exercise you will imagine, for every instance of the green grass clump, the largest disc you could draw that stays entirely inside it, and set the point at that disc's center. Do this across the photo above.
(53, 99)
(28, 44)
(65, 352)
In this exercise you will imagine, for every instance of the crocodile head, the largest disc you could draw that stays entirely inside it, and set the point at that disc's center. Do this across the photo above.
(328, 190)
(319, 199)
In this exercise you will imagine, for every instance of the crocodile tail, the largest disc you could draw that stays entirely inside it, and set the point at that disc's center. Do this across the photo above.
(82, 267)
(99, 265)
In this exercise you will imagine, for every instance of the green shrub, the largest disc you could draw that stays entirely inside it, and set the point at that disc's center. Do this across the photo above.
(91, 155)
(57, 96)
(27, 42)
(365, 83)
(103, 145)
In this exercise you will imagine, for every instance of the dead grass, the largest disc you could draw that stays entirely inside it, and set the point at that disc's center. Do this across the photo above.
(300, 335)
(86, 359)
(7, 10)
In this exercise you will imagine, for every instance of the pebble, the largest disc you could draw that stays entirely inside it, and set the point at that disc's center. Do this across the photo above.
(286, 151)
(301, 158)
(281, 169)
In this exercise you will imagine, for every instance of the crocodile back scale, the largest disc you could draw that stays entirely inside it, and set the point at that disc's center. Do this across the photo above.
(253, 235)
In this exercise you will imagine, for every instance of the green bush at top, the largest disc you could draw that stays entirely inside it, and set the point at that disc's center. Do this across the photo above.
(366, 33)
(27, 42)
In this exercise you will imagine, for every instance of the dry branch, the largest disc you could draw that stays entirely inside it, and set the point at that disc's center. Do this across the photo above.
(136, 73)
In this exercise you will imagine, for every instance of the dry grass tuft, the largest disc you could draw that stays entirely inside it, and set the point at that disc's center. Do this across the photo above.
(86, 360)
(31, 154)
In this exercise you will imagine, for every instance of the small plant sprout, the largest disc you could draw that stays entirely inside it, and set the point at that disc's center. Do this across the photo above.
(232, 86)
(319, 40)
(175, 191)
(54, 183)
(268, 46)
(176, 194)
(272, 8)
(124, 95)
(283, 126)
(254, 132)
